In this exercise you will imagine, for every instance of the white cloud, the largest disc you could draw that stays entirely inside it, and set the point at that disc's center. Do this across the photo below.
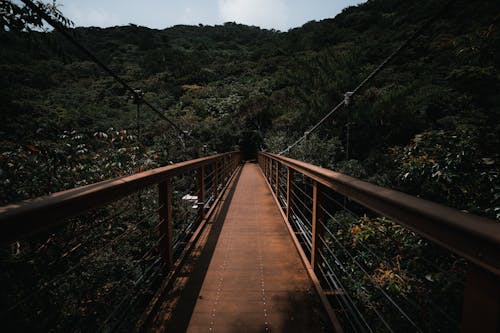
(93, 17)
(263, 13)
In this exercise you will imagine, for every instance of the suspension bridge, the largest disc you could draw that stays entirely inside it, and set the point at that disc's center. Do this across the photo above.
(256, 247)
(218, 244)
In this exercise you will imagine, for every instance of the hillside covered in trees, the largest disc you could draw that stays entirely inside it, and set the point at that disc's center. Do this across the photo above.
(428, 124)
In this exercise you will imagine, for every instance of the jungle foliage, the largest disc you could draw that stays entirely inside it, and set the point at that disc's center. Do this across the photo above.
(233, 84)
(428, 124)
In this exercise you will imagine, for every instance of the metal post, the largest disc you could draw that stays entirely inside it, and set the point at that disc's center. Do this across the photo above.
(200, 183)
(271, 167)
(267, 167)
(165, 227)
(224, 169)
(277, 181)
(317, 227)
(264, 158)
(289, 184)
(215, 181)
(481, 307)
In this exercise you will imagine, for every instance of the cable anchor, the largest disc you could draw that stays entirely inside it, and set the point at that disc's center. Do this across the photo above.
(137, 96)
(347, 97)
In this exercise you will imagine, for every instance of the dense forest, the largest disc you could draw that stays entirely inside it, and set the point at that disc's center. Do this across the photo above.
(428, 124)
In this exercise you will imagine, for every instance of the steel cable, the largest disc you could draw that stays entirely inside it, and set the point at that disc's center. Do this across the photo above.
(370, 76)
(63, 31)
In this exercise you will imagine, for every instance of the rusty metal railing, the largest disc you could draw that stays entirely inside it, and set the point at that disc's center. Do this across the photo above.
(109, 241)
(329, 212)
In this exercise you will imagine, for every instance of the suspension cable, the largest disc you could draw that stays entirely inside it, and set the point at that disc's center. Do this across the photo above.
(348, 95)
(63, 31)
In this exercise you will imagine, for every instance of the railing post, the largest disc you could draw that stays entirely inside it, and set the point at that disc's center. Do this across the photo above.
(269, 168)
(200, 183)
(481, 306)
(289, 184)
(215, 180)
(226, 173)
(271, 173)
(223, 170)
(265, 165)
(165, 226)
(277, 181)
(317, 227)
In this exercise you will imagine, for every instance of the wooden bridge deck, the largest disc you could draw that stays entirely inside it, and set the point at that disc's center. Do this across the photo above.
(254, 279)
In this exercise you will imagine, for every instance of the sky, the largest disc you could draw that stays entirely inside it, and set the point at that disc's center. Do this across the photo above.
(159, 14)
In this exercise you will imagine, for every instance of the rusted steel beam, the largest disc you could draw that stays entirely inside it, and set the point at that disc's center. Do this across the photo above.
(270, 167)
(31, 216)
(266, 164)
(481, 307)
(215, 181)
(289, 184)
(223, 170)
(271, 178)
(473, 237)
(270, 170)
(266, 171)
(277, 181)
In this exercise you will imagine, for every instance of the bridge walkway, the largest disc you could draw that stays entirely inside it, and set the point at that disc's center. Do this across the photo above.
(255, 280)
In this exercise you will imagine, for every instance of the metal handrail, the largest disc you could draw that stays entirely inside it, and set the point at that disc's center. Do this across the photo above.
(472, 237)
(31, 216)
